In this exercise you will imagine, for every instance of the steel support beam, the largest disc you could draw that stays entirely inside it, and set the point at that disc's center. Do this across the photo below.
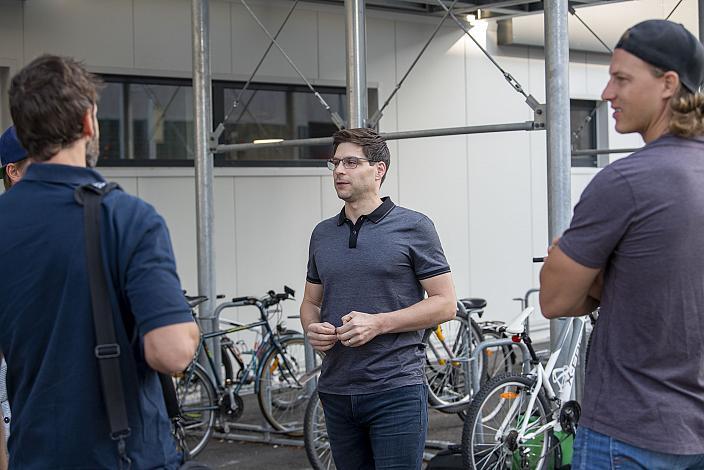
(558, 126)
(579, 153)
(203, 126)
(399, 135)
(356, 63)
(700, 5)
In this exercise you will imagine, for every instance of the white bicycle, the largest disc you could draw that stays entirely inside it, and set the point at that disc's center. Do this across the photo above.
(519, 421)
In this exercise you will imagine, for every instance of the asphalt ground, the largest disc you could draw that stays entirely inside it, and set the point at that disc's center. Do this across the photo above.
(233, 453)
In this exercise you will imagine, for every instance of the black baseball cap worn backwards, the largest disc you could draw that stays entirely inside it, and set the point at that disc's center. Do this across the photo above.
(668, 46)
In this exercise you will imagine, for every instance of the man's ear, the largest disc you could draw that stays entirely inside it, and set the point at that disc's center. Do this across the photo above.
(380, 170)
(672, 84)
(13, 172)
(88, 122)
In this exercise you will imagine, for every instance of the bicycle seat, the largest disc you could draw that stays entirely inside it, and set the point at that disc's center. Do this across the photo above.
(194, 301)
(471, 303)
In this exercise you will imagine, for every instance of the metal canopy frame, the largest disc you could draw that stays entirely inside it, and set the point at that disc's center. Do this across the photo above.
(482, 9)
(556, 122)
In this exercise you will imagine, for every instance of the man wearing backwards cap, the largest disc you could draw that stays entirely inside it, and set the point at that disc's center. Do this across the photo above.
(13, 158)
(635, 247)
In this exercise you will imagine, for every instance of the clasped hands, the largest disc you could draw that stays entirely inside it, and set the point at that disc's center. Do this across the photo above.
(357, 329)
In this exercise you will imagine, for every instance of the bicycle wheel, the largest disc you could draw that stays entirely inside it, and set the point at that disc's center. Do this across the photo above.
(197, 410)
(315, 436)
(282, 398)
(491, 437)
(447, 369)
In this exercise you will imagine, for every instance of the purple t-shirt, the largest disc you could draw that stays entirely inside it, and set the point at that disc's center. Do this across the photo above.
(641, 220)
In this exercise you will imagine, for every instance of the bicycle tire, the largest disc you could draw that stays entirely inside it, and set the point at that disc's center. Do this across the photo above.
(282, 400)
(315, 436)
(496, 447)
(449, 383)
(197, 410)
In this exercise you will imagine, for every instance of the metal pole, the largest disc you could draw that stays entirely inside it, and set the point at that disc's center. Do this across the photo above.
(558, 133)
(578, 153)
(356, 63)
(700, 4)
(399, 135)
(203, 126)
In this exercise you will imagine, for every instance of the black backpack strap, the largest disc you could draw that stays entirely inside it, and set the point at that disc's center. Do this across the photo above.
(107, 350)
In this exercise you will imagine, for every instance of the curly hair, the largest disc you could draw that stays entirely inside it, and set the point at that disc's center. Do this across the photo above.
(687, 110)
(48, 99)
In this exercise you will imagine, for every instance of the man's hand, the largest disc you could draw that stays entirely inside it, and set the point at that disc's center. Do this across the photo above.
(358, 328)
(321, 336)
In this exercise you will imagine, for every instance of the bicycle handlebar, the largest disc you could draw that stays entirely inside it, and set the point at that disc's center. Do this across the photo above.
(270, 299)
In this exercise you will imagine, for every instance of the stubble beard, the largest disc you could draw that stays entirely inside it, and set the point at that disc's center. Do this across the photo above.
(92, 151)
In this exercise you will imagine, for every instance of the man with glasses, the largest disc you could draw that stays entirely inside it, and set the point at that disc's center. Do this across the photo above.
(364, 305)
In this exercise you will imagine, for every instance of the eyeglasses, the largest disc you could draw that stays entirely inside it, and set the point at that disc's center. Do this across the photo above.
(349, 163)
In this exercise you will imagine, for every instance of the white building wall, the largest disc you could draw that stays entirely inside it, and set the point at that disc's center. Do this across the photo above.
(486, 193)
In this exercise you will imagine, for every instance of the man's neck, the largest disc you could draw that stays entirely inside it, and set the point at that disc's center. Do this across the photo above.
(658, 128)
(75, 155)
(353, 210)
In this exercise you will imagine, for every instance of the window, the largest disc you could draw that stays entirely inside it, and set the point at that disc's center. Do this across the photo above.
(146, 121)
(584, 131)
(142, 119)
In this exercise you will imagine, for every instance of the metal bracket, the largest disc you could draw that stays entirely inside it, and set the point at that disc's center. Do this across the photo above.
(214, 138)
(539, 112)
(337, 120)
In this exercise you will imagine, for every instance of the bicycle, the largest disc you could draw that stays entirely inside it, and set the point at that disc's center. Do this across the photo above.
(447, 352)
(515, 419)
(448, 349)
(276, 370)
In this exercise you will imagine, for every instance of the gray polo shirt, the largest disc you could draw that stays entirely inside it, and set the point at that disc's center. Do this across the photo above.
(374, 266)
(641, 220)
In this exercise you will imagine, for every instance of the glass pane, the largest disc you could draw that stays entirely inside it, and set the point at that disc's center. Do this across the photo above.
(583, 131)
(110, 122)
(161, 121)
(278, 114)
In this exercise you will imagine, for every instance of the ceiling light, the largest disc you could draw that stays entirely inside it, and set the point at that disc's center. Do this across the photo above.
(267, 141)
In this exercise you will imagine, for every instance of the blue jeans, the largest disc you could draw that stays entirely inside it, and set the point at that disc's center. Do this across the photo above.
(384, 430)
(596, 451)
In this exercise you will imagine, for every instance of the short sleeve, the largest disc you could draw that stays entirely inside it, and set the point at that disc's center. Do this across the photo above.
(426, 251)
(312, 275)
(151, 283)
(601, 218)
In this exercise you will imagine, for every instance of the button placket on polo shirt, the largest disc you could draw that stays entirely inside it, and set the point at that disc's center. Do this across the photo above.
(354, 230)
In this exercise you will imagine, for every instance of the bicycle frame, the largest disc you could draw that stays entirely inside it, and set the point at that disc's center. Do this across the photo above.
(562, 376)
(269, 340)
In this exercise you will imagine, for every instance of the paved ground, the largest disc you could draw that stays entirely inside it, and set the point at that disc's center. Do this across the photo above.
(236, 454)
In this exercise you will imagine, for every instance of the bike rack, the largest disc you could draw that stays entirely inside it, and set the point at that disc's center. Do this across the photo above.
(268, 435)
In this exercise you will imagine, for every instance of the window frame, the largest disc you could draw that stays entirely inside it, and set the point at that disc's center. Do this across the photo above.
(219, 108)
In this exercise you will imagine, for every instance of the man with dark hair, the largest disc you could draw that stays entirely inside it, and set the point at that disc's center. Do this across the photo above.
(46, 324)
(634, 245)
(368, 270)
(13, 158)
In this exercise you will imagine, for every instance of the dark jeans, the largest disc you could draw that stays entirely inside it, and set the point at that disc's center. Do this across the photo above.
(382, 430)
(596, 451)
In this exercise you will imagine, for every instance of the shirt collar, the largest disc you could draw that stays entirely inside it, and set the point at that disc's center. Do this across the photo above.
(57, 173)
(375, 216)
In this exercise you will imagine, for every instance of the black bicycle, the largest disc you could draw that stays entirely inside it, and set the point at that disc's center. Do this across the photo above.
(276, 370)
